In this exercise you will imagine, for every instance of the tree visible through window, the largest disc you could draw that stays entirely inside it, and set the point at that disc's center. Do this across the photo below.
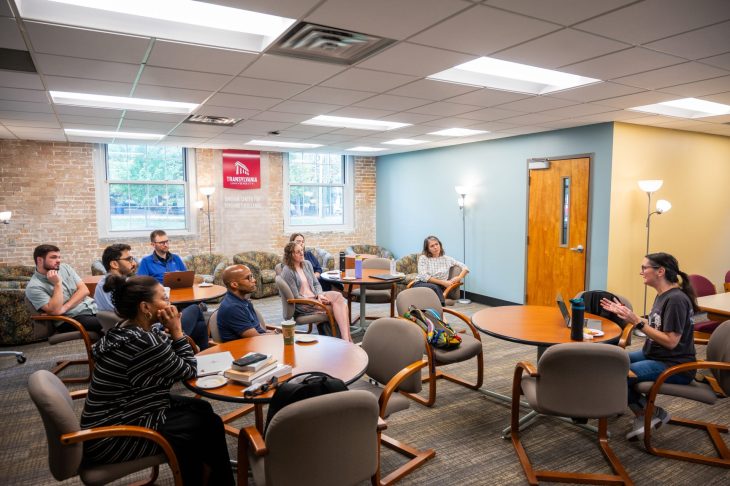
(147, 186)
(317, 189)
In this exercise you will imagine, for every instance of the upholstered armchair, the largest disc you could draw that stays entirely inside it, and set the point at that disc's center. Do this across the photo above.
(262, 266)
(325, 258)
(376, 250)
(97, 268)
(208, 267)
(407, 265)
(16, 327)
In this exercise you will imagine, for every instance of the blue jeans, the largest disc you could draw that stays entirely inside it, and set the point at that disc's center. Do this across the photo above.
(648, 370)
(194, 325)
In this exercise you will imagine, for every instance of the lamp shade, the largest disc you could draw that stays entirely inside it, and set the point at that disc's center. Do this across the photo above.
(207, 190)
(662, 206)
(461, 190)
(650, 185)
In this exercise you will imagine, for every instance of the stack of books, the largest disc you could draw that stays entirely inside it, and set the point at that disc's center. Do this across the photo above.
(258, 372)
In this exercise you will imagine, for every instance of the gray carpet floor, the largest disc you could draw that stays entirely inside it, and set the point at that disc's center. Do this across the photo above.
(464, 427)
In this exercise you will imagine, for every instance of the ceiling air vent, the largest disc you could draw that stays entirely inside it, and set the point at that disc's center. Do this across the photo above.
(222, 121)
(328, 44)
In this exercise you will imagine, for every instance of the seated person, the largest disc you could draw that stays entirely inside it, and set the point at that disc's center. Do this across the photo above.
(312, 258)
(236, 315)
(117, 261)
(56, 289)
(160, 261)
(433, 268)
(136, 364)
(299, 275)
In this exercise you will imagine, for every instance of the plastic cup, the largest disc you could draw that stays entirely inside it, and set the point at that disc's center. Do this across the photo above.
(287, 330)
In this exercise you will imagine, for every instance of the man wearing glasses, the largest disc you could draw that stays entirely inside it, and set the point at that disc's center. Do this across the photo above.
(117, 261)
(236, 315)
(160, 260)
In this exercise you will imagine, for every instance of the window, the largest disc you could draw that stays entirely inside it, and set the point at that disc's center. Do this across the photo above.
(142, 188)
(318, 188)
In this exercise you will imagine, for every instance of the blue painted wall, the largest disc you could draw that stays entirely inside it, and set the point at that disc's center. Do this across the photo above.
(416, 197)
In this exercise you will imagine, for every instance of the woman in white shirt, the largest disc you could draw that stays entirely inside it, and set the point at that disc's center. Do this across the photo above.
(434, 266)
(298, 273)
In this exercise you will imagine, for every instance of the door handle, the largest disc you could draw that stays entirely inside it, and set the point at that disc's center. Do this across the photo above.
(577, 249)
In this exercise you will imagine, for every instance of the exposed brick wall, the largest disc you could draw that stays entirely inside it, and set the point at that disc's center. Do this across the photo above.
(49, 187)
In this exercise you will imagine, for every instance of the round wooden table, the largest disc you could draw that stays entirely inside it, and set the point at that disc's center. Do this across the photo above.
(366, 281)
(196, 293)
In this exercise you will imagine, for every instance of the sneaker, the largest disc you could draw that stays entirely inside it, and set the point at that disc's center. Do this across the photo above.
(660, 418)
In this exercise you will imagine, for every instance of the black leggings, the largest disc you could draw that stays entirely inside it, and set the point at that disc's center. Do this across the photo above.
(196, 435)
(436, 288)
(88, 322)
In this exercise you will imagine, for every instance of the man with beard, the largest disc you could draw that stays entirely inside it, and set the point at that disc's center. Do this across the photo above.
(56, 289)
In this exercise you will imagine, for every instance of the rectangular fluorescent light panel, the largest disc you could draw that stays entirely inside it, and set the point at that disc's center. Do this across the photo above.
(357, 123)
(121, 103)
(365, 149)
(277, 143)
(75, 132)
(405, 141)
(180, 20)
(458, 132)
(685, 108)
(511, 76)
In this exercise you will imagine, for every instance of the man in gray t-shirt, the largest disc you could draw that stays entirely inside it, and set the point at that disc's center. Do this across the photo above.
(56, 289)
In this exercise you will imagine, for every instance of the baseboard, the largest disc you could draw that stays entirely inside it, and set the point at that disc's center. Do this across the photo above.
(490, 301)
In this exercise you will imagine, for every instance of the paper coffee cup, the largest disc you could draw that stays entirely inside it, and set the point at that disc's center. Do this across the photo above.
(287, 330)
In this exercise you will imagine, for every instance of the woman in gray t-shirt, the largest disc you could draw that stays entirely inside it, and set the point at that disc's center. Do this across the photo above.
(668, 329)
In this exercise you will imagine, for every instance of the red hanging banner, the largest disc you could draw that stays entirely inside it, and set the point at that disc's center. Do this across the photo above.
(241, 169)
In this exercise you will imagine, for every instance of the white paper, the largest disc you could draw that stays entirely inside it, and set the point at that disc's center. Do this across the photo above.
(210, 364)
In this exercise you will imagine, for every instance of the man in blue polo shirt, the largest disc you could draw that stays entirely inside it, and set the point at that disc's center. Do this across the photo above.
(160, 260)
(236, 315)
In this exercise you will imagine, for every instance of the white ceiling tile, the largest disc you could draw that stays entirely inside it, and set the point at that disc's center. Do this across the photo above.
(597, 91)
(242, 101)
(688, 72)
(564, 12)
(386, 18)
(279, 68)
(706, 42)
(489, 114)
(157, 117)
(25, 119)
(651, 120)
(432, 90)
(131, 125)
(578, 110)
(335, 96)
(560, 48)
(701, 88)
(650, 20)
(304, 107)
(88, 112)
(308, 130)
(357, 112)
(14, 79)
(170, 94)
(492, 126)
(16, 94)
(257, 127)
(530, 119)
(97, 121)
(183, 141)
(638, 99)
(536, 103)
(263, 87)
(390, 102)
(281, 117)
(227, 111)
(197, 130)
(10, 37)
(367, 80)
(329, 138)
(488, 97)
(92, 86)
(623, 63)
(283, 8)
(406, 117)
(447, 122)
(37, 133)
(5, 10)
(482, 31)
(406, 58)
(722, 61)
(92, 44)
(177, 78)
(25, 106)
(198, 58)
(618, 115)
(85, 68)
(444, 108)
(719, 98)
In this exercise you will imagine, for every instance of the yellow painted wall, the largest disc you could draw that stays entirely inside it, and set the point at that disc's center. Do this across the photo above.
(695, 168)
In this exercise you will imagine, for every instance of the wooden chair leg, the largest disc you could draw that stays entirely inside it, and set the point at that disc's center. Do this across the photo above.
(235, 415)
(62, 365)
(713, 431)
(417, 458)
(437, 374)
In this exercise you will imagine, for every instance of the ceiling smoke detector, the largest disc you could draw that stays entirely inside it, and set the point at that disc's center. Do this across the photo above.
(221, 121)
(328, 44)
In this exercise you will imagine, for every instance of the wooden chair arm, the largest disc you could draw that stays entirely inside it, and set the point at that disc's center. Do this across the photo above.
(77, 394)
(466, 320)
(255, 440)
(447, 290)
(701, 338)
(382, 424)
(631, 374)
(625, 335)
(192, 344)
(727, 286)
(528, 367)
(411, 283)
(521, 367)
(327, 310)
(395, 382)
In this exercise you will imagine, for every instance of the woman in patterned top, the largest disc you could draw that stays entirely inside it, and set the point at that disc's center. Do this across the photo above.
(136, 363)
(434, 266)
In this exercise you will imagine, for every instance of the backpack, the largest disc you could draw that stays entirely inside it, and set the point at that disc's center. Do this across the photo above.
(301, 387)
(439, 334)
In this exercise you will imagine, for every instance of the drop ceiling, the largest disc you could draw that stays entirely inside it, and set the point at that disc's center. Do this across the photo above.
(645, 52)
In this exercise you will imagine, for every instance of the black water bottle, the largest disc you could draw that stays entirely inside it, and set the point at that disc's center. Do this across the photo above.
(577, 314)
(342, 262)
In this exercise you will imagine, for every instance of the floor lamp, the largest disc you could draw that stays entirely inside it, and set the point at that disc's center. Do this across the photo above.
(662, 206)
(208, 191)
(462, 191)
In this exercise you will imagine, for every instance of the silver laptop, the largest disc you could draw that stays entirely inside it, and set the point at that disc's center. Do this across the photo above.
(592, 323)
(178, 280)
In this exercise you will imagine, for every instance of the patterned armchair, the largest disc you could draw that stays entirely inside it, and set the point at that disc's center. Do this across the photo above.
(97, 268)
(369, 250)
(325, 258)
(207, 266)
(409, 266)
(16, 327)
(262, 266)
(16, 273)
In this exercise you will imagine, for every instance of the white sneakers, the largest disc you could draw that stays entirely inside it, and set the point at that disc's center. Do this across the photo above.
(660, 418)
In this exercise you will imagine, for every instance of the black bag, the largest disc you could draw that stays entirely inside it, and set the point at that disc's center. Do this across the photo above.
(300, 387)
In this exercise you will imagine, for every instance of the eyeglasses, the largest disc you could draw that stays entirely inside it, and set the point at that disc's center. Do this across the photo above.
(129, 259)
(249, 277)
(261, 388)
(166, 242)
(644, 267)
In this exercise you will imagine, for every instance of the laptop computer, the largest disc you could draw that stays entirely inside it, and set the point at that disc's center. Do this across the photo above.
(178, 280)
(591, 323)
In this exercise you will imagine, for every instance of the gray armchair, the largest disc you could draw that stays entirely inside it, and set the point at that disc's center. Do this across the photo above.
(376, 250)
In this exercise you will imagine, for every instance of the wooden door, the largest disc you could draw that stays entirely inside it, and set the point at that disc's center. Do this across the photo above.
(557, 230)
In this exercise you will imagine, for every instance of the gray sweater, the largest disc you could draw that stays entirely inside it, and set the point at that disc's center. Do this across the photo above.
(291, 277)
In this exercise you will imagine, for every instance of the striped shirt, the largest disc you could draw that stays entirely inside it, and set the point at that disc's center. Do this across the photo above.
(436, 267)
(133, 373)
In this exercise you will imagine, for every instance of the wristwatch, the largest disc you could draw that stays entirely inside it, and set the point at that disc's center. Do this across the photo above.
(640, 325)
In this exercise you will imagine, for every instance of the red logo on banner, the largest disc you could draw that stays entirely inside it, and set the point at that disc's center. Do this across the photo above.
(241, 169)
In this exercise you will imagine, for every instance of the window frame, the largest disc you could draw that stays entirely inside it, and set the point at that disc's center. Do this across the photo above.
(348, 210)
(102, 183)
